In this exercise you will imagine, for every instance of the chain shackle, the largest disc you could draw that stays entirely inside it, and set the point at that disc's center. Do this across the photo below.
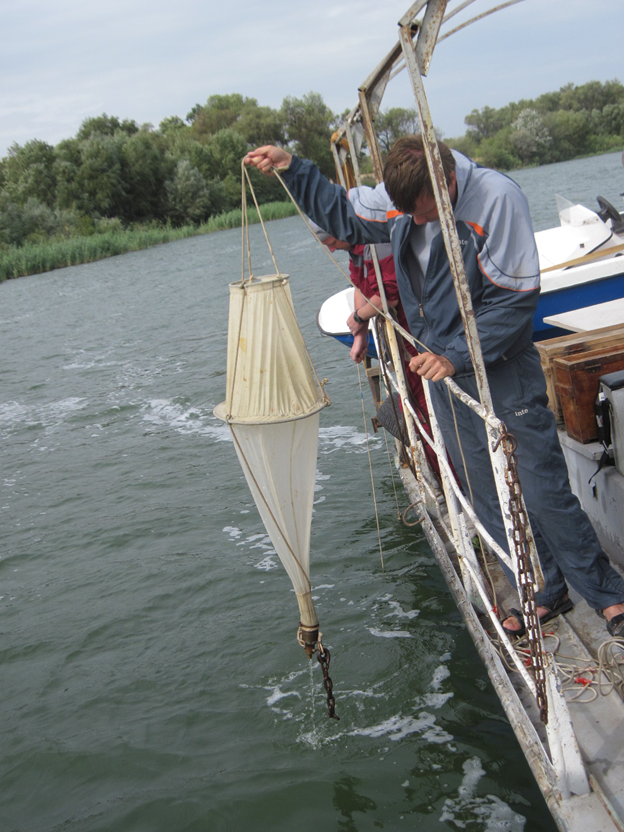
(324, 658)
(526, 579)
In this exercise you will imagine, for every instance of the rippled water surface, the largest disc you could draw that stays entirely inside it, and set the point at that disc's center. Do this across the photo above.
(150, 679)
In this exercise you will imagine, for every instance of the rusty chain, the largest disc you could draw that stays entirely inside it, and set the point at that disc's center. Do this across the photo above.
(324, 658)
(525, 570)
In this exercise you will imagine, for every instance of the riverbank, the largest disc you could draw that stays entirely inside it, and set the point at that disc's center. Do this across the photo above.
(36, 258)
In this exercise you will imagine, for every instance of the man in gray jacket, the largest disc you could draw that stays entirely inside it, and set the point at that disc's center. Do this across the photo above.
(500, 257)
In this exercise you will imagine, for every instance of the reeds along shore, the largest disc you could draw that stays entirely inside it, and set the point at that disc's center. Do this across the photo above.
(35, 258)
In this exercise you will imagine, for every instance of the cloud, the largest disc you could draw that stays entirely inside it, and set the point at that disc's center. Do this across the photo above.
(147, 59)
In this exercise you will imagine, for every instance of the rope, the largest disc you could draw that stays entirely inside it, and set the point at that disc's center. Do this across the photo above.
(370, 466)
(582, 679)
(245, 174)
(391, 466)
(245, 233)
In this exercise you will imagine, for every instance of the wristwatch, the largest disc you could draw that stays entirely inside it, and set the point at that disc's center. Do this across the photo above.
(357, 318)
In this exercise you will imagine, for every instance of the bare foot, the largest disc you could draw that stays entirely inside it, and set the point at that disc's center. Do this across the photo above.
(614, 609)
(513, 625)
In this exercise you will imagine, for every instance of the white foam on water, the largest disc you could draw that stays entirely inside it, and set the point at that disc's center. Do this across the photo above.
(253, 537)
(318, 478)
(266, 565)
(375, 631)
(13, 414)
(399, 612)
(485, 814)
(277, 694)
(436, 700)
(398, 727)
(439, 675)
(232, 531)
(185, 419)
(263, 543)
(345, 437)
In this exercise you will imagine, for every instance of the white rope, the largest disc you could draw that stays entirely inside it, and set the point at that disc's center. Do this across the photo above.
(370, 465)
(582, 678)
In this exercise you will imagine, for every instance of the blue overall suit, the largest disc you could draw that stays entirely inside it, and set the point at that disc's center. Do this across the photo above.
(500, 257)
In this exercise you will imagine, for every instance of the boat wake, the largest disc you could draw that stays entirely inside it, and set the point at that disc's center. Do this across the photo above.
(490, 813)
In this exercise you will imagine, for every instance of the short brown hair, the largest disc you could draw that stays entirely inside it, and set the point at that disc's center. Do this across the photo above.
(406, 175)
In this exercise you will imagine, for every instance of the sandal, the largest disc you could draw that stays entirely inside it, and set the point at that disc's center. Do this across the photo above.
(615, 625)
(558, 607)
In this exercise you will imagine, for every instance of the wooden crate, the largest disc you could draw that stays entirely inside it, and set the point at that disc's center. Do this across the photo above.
(576, 383)
(578, 342)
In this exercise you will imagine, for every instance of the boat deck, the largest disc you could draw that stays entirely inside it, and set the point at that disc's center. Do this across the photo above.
(573, 639)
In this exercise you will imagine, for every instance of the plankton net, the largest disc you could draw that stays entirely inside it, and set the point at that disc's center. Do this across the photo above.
(272, 407)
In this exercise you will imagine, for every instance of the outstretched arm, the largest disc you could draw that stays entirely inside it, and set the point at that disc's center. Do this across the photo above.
(326, 203)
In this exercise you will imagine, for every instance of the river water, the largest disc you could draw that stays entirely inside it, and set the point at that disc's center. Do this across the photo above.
(150, 680)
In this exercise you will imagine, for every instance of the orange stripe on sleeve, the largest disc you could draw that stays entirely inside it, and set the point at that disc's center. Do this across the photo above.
(368, 219)
(477, 228)
(500, 285)
(391, 214)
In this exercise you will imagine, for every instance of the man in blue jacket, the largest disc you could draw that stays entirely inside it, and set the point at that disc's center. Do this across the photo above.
(501, 263)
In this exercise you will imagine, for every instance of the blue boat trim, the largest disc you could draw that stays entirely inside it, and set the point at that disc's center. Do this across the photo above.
(574, 297)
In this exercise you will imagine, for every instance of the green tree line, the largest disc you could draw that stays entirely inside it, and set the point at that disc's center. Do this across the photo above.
(114, 175)
(557, 126)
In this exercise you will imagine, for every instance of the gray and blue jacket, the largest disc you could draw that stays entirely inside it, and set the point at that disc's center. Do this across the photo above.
(498, 247)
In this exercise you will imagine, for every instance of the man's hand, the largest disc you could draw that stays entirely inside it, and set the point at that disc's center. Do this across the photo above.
(355, 327)
(268, 157)
(432, 367)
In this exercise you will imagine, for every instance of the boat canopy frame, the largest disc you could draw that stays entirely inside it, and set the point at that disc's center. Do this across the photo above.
(561, 772)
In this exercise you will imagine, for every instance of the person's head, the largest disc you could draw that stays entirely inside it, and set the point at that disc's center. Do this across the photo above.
(407, 178)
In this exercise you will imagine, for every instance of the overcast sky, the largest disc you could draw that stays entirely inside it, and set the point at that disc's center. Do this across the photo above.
(66, 60)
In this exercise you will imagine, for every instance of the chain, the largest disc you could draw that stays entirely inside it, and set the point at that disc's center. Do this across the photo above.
(324, 659)
(525, 571)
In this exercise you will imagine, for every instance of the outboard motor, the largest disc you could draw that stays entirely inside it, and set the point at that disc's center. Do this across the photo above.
(609, 411)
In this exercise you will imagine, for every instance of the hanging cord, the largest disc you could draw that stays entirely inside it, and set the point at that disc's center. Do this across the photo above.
(370, 465)
(245, 175)
(391, 466)
(245, 233)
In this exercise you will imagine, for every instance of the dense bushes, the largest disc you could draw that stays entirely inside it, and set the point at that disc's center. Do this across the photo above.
(181, 174)
(116, 177)
(575, 121)
(108, 238)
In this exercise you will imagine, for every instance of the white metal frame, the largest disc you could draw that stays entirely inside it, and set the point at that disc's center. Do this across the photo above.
(562, 772)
